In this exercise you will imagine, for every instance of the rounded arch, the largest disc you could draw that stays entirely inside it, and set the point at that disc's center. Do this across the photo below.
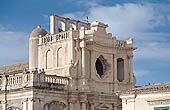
(49, 59)
(55, 105)
(60, 57)
(120, 69)
(13, 108)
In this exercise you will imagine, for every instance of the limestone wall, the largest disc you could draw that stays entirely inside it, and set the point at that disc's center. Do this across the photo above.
(146, 101)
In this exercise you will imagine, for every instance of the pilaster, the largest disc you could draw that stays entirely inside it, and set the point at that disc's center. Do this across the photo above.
(83, 106)
(131, 67)
(91, 106)
(115, 69)
(30, 104)
(25, 104)
(71, 106)
(4, 105)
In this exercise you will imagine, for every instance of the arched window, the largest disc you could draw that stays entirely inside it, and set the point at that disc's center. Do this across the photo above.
(120, 69)
(49, 59)
(61, 26)
(72, 26)
(60, 57)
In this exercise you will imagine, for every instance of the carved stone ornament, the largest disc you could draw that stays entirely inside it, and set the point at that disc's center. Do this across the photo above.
(13, 108)
(55, 105)
(102, 106)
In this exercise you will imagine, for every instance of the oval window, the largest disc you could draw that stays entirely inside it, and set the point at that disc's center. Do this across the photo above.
(99, 67)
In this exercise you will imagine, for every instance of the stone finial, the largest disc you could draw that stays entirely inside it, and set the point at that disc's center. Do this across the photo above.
(39, 70)
(43, 71)
(98, 26)
(36, 69)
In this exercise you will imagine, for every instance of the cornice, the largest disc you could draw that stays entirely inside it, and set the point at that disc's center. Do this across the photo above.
(160, 88)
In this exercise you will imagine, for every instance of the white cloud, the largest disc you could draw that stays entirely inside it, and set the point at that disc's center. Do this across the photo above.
(13, 45)
(141, 73)
(138, 21)
(153, 50)
(127, 17)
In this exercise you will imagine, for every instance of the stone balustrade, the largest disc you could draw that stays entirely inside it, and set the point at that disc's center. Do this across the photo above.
(56, 79)
(121, 43)
(14, 80)
(124, 43)
(33, 79)
(55, 38)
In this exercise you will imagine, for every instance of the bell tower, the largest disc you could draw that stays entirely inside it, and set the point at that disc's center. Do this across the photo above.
(93, 59)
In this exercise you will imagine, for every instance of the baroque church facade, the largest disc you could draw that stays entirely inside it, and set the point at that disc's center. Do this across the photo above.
(76, 66)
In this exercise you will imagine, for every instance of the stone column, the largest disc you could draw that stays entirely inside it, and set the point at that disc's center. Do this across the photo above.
(4, 105)
(126, 69)
(83, 106)
(92, 106)
(115, 69)
(67, 25)
(115, 86)
(4, 87)
(83, 62)
(131, 67)
(115, 107)
(53, 25)
(37, 104)
(71, 106)
(30, 104)
(25, 104)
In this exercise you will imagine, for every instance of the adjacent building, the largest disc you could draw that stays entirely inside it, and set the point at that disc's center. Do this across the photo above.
(151, 97)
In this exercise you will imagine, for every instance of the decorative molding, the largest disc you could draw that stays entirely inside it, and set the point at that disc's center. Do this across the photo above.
(161, 88)
(55, 104)
(101, 106)
(159, 102)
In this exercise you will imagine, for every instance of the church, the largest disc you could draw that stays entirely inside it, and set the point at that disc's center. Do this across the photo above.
(76, 66)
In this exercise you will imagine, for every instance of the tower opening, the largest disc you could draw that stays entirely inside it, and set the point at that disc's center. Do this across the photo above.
(120, 69)
(99, 67)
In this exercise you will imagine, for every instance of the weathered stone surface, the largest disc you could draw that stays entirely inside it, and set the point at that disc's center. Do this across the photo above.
(72, 68)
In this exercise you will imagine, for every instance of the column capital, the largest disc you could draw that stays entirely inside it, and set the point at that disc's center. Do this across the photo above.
(25, 100)
(72, 101)
(3, 101)
(34, 99)
(130, 56)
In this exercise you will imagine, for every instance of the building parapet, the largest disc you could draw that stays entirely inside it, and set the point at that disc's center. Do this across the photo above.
(33, 79)
(124, 43)
(54, 37)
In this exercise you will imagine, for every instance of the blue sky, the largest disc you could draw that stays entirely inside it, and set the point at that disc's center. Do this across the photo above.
(147, 21)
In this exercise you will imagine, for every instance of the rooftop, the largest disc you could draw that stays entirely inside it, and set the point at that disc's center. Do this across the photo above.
(153, 88)
(13, 67)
